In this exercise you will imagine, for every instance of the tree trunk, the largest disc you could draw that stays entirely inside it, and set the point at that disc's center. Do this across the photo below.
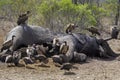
(117, 14)
(74, 2)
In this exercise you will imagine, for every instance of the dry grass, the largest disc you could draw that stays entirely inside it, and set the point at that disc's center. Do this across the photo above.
(115, 45)
(5, 27)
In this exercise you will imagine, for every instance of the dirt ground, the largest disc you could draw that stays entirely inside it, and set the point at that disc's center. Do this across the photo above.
(94, 69)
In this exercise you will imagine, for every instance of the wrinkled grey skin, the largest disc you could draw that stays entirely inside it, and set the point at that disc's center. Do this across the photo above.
(28, 35)
(77, 42)
(88, 45)
(79, 57)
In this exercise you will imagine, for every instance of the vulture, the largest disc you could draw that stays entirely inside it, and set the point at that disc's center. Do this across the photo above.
(64, 48)
(30, 51)
(114, 33)
(56, 42)
(40, 49)
(56, 46)
(66, 66)
(7, 44)
(23, 51)
(26, 61)
(23, 18)
(57, 59)
(70, 28)
(16, 57)
(3, 57)
(41, 58)
(9, 60)
(93, 30)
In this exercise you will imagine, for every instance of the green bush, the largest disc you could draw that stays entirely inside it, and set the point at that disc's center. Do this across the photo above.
(56, 14)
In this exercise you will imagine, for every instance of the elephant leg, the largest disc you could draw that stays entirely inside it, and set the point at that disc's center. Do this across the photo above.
(79, 57)
(108, 50)
(103, 53)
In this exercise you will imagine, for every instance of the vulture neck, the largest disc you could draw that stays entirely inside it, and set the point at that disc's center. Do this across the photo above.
(13, 38)
(65, 43)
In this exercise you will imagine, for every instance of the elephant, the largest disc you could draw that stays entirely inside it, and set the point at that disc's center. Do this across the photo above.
(90, 46)
(28, 35)
(81, 43)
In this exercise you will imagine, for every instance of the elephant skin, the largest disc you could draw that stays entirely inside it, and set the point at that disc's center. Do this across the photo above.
(81, 43)
(86, 44)
(26, 34)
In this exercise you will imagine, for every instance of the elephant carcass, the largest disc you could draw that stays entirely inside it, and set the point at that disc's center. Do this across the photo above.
(76, 42)
(84, 44)
(28, 35)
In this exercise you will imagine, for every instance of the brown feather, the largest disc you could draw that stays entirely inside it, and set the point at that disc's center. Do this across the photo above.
(23, 18)
(7, 44)
(93, 30)
(64, 48)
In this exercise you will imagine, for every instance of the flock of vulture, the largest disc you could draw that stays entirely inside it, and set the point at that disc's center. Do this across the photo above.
(39, 53)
